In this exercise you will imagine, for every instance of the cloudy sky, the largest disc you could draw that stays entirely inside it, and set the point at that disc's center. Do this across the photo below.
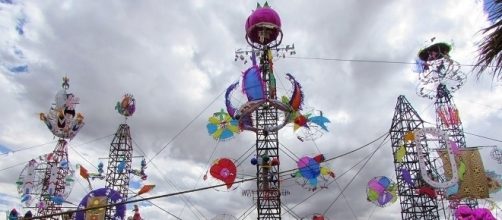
(177, 58)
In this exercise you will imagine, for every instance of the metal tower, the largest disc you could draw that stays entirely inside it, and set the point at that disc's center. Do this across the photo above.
(267, 145)
(448, 120)
(263, 33)
(63, 122)
(54, 182)
(413, 205)
(119, 165)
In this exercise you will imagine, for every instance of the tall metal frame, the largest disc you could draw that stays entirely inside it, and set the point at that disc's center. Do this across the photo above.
(63, 122)
(454, 130)
(413, 205)
(268, 201)
(48, 206)
(119, 159)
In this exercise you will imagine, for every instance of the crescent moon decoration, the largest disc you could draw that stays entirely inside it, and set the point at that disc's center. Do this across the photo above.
(100, 197)
(437, 135)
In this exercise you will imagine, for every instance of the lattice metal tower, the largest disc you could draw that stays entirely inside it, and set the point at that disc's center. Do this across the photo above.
(63, 122)
(59, 154)
(263, 33)
(413, 205)
(448, 120)
(444, 102)
(119, 165)
(267, 144)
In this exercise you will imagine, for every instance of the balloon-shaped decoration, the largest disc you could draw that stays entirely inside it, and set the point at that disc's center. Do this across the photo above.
(494, 181)
(62, 120)
(381, 191)
(311, 174)
(435, 67)
(263, 27)
(221, 126)
(100, 197)
(224, 170)
(127, 106)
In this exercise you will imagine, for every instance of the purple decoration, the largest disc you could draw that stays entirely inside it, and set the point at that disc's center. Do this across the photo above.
(252, 84)
(407, 177)
(373, 184)
(263, 25)
(309, 168)
(112, 195)
(230, 109)
(464, 212)
(384, 198)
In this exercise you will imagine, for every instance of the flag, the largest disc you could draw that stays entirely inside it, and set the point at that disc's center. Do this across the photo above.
(145, 189)
(84, 173)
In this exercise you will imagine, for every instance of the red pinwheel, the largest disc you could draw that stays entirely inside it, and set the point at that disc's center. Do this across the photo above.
(224, 169)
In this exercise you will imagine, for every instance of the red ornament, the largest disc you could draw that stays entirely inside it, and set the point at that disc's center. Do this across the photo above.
(224, 169)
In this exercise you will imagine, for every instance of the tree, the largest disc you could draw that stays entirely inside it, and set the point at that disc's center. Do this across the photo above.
(490, 48)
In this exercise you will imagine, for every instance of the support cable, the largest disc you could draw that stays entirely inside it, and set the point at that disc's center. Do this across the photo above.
(190, 191)
(359, 171)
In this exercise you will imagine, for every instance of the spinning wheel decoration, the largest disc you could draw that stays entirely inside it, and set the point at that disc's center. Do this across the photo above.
(311, 174)
(496, 154)
(381, 191)
(30, 182)
(310, 126)
(435, 67)
(221, 126)
(31, 179)
(494, 181)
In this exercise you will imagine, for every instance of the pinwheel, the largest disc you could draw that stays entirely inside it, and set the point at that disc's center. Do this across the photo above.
(221, 126)
(381, 191)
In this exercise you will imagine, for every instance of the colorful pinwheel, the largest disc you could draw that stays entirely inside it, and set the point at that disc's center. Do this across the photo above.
(221, 126)
(311, 174)
(381, 191)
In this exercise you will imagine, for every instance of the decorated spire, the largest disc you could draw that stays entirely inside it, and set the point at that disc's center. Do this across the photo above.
(127, 106)
(62, 119)
(66, 83)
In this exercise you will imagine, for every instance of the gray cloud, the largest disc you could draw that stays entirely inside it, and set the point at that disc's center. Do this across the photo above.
(176, 57)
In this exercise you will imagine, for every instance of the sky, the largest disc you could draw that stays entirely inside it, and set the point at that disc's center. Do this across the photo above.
(177, 59)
